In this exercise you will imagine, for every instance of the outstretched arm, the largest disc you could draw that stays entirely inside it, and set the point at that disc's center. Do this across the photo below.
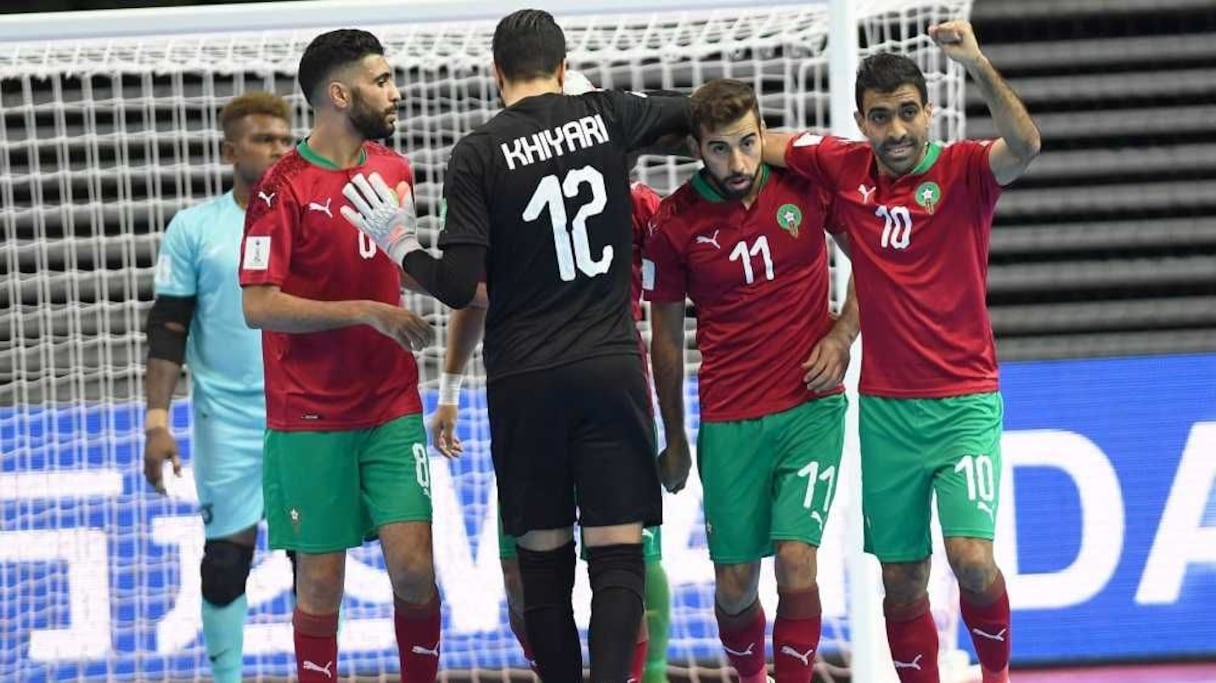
(1019, 143)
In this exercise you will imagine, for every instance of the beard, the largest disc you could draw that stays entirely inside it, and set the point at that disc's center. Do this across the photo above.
(731, 193)
(371, 124)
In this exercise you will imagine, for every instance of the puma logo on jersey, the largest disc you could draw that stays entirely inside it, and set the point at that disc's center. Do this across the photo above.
(816, 517)
(310, 666)
(266, 197)
(999, 636)
(743, 653)
(804, 657)
(914, 664)
(865, 193)
(702, 239)
(419, 650)
(984, 507)
(323, 208)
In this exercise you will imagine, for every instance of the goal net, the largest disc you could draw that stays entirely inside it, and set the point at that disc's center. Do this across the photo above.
(103, 139)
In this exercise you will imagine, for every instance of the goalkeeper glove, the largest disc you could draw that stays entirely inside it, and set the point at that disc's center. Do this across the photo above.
(391, 221)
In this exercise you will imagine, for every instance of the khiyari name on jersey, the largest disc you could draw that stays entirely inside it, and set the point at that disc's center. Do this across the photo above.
(554, 142)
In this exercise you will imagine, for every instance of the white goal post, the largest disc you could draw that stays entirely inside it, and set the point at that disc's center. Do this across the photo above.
(108, 127)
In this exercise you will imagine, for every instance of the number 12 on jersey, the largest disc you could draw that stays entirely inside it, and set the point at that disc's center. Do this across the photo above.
(572, 245)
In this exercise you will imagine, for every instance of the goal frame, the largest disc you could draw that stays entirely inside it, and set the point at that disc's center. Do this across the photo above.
(870, 659)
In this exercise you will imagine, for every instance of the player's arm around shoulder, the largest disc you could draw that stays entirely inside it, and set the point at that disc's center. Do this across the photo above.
(1019, 143)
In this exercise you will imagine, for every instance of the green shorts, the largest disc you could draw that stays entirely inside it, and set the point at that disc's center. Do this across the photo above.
(913, 448)
(329, 491)
(652, 544)
(770, 479)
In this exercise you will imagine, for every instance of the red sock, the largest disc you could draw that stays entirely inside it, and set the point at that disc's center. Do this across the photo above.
(637, 668)
(417, 629)
(987, 617)
(742, 637)
(316, 639)
(912, 635)
(521, 635)
(796, 635)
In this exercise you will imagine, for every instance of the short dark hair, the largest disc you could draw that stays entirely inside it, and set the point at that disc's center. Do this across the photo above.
(331, 51)
(249, 104)
(886, 72)
(528, 44)
(720, 102)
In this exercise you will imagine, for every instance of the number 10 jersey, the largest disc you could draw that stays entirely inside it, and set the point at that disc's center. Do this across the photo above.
(544, 186)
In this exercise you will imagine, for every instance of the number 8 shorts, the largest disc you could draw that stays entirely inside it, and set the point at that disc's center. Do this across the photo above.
(914, 448)
(329, 491)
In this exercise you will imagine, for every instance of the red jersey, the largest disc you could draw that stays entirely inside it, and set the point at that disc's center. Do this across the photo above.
(645, 204)
(920, 262)
(759, 279)
(295, 237)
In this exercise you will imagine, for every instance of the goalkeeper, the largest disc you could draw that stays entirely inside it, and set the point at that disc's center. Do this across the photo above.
(196, 318)
(464, 332)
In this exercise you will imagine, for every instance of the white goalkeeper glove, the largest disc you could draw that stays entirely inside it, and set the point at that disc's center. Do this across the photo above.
(391, 221)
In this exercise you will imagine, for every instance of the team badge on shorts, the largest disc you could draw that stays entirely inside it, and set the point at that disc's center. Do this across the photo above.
(789, 217)
(928, 195)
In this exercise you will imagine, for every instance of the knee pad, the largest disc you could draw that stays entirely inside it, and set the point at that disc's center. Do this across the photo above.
(617, 566)
(547, 576)
(225, 568)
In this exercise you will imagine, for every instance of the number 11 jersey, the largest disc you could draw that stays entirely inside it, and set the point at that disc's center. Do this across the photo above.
(544, 186)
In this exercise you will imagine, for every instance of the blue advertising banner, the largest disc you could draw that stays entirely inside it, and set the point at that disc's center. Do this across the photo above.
(1106, 535)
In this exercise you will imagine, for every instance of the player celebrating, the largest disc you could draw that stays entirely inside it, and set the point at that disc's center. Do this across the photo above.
(465, 330)
(345, 450)
(196, 317)
(538, 201)
(745, 243)
(918, 216)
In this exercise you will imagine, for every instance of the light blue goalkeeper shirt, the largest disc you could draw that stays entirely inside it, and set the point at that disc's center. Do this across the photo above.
(199, 258)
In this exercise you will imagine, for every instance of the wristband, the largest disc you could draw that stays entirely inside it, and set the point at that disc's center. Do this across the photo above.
(449, 389)
(156, 418)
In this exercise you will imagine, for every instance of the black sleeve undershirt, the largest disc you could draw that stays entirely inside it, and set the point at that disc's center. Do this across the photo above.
(452, 279)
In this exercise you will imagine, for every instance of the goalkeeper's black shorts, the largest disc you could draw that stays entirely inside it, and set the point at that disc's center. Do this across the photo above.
(575, 436)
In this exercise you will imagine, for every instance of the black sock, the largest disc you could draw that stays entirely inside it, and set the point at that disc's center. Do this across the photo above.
(618, 584)
(548, 579)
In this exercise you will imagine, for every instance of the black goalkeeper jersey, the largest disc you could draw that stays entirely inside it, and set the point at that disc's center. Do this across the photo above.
(544, 187)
